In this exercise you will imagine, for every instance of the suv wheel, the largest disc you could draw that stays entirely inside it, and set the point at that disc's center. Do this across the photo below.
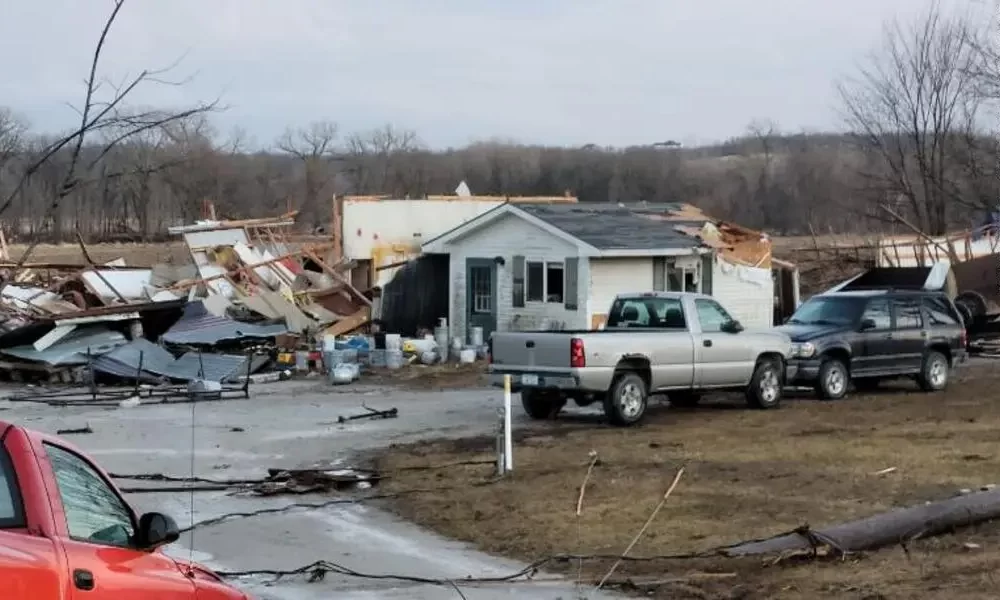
(626, 401)
(834, 379)
(541, 404)
(934, 372)
(767, 384)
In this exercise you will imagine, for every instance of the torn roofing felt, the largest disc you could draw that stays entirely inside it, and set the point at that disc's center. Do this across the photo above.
(198, 326)
(157, 364)
(72, 349)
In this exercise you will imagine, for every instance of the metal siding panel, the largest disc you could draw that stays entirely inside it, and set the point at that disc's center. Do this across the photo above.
(572, 291)
(517, 281)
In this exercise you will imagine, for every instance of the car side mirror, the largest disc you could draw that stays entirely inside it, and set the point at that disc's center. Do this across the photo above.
(867, 324)
(732, 326)
(155, 530)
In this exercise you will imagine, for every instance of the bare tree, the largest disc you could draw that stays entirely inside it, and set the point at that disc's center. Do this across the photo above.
(908, 108)
(12, 137)
(314, 147)
(376, 161)
(107, 115)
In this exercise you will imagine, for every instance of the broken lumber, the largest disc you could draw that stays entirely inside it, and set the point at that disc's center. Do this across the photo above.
(894, 527)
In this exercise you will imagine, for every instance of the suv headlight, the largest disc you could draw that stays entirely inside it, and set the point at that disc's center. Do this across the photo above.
(804, 350)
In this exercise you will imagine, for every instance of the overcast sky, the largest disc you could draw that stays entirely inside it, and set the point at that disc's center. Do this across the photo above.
(613, 72)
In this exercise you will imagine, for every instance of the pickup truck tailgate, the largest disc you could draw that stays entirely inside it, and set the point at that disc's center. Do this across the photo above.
(534, 350)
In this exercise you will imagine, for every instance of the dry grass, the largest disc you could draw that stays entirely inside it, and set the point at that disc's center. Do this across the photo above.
(137, 255)
(748, 474)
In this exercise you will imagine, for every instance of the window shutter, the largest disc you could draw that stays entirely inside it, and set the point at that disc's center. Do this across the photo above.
(517, 272)
(659, 274)
(572, 293)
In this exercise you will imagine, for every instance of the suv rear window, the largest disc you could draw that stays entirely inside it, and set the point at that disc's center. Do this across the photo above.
(940, 312)
(11, 512)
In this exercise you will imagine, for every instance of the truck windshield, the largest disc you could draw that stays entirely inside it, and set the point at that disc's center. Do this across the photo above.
(647, 312)
(828, 310)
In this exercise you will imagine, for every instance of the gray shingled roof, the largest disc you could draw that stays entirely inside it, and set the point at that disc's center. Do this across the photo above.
(615, 227)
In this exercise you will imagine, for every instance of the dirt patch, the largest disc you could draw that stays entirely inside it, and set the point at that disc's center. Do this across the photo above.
(749, 474)
(449, 376)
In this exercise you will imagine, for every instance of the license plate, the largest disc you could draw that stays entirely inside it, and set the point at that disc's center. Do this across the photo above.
(529, 379)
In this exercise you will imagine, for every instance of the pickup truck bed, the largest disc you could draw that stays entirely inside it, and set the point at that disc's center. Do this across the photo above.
(680, 344)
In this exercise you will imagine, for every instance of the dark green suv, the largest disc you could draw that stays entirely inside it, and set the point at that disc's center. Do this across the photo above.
(868, 336)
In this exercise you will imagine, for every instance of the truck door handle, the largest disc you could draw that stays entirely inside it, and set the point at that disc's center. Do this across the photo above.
(923, 334)
(707, 343)
(529, 344)
(83, 579)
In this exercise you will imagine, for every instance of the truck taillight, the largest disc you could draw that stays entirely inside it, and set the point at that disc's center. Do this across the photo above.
(964, 339)
(577, 358)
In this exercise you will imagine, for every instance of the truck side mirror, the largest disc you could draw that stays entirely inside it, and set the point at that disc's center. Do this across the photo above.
(732, 326)
(867, 325)
(155, 530)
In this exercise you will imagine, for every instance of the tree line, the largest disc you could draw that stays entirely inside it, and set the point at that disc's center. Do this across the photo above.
(919, 147)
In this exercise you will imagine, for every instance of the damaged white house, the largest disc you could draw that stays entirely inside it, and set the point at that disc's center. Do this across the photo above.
(559, 266)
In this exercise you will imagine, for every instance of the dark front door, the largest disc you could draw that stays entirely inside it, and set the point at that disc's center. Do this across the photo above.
(874, 352)
(481, 294)
(910, 336)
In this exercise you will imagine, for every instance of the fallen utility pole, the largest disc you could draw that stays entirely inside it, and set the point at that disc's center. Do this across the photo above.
(392, 413)
(895, 527)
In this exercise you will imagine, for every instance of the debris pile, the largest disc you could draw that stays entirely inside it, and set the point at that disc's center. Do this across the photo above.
(247, 293)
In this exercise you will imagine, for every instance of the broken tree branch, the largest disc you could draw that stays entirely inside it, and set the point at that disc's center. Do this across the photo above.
(649, 521)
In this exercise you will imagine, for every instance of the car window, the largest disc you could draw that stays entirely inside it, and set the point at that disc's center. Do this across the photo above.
(878, 311)
(711, 315)
(94, 512)
(11, 511)
(907, 313)
(939, 311)
(652, 312)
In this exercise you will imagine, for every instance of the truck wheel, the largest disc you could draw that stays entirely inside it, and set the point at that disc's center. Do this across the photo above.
(934, 372)
(766, 385)
(834, 379)
(684, 399)
(541, 404)
(625, 403)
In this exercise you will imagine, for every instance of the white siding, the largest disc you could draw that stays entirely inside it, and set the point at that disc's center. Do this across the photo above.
(371, 224)
(746, 292)
(507, 237)
(612, 276)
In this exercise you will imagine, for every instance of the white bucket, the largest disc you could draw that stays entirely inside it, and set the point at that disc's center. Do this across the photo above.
(393, 341)
(329, 342)
(467, 356)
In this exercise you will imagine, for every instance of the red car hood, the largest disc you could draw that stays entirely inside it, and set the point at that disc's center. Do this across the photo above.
(207, 583)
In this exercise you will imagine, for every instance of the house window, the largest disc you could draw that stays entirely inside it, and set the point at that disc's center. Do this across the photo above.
(554, 282)
(546, 282)
(536, 281)
(669, 277)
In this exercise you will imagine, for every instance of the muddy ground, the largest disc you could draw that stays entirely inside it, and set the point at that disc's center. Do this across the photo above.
(748, 474)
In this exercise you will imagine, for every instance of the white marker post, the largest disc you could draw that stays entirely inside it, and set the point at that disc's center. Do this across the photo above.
(508, 445)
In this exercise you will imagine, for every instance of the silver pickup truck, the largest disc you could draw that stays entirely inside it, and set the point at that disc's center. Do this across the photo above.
(680, 344)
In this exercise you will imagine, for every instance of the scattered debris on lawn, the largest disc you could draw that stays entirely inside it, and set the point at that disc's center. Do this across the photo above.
(77, 431)
(307, 481)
